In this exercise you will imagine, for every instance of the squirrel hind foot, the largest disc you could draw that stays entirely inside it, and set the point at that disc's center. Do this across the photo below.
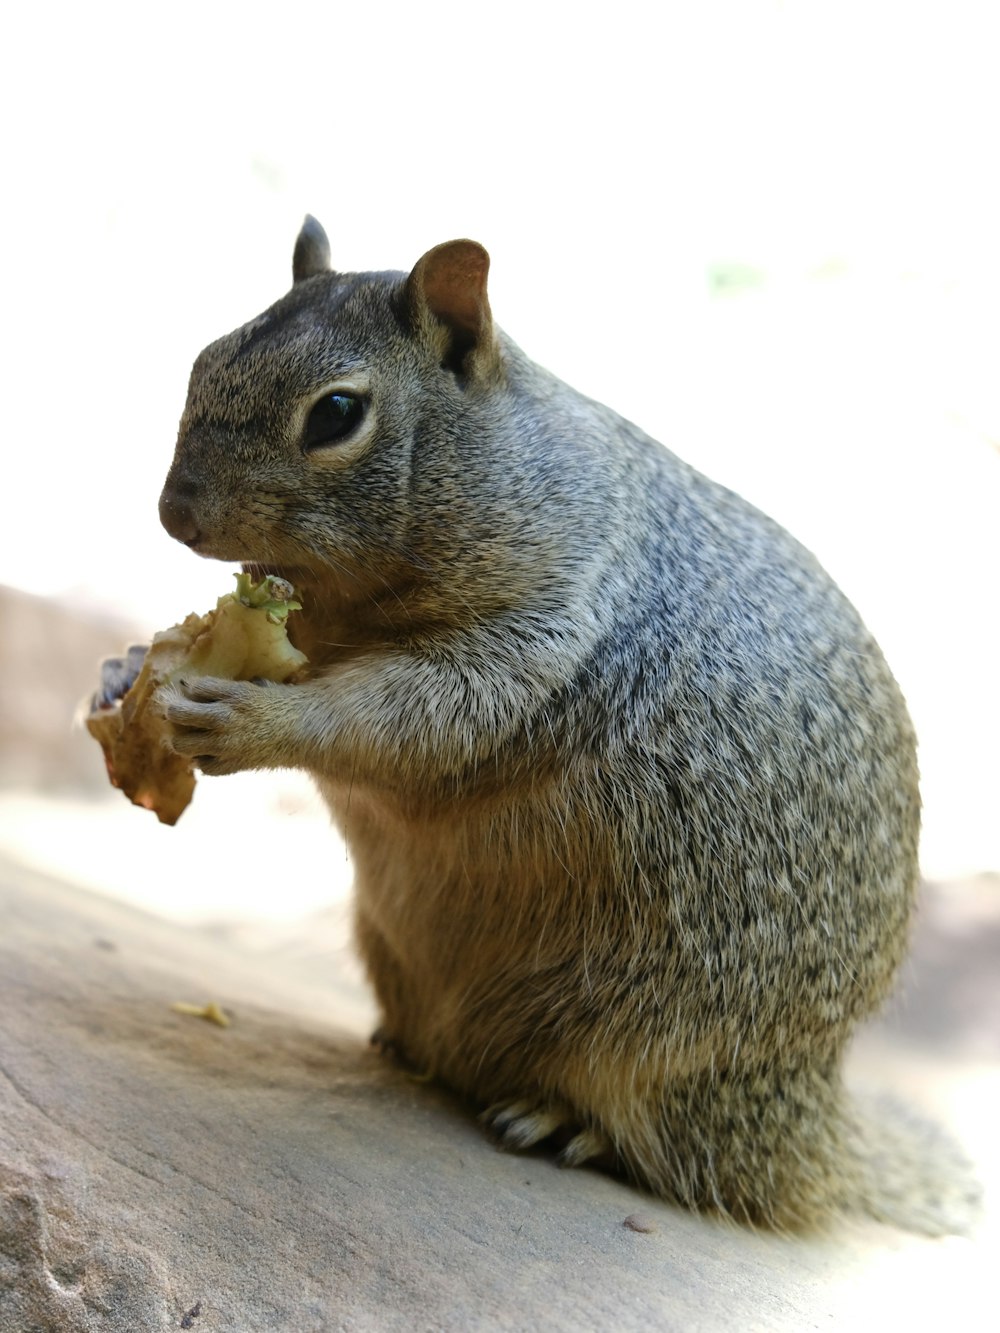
(589, 1145)
(383, 1043)
(521, 1124)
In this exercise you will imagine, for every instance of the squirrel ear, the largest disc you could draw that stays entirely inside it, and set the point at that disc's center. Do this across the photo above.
(449, 282)
(312, 251)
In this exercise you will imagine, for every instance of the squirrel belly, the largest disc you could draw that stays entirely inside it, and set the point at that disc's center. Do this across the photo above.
(630, 792)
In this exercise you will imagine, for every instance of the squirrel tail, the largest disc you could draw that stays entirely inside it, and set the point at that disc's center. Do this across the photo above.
(911, 1173)
(787, 1152)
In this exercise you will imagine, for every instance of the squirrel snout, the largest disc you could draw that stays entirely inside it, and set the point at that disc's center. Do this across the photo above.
(177, 516)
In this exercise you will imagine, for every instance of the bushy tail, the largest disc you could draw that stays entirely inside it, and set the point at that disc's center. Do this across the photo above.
(912, 1174)
(789, 1149)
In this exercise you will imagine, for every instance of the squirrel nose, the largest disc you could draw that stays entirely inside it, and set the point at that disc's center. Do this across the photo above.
(178, 518)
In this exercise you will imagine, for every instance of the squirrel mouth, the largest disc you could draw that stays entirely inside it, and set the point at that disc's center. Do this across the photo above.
(209, 550)
(259, 569)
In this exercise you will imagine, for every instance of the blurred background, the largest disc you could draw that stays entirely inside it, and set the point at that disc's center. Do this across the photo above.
(765, 231)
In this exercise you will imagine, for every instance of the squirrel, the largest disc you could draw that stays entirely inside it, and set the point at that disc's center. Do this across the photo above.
(630, 792)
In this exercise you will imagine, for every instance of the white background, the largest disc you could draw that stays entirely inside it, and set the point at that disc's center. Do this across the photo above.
(768, 232)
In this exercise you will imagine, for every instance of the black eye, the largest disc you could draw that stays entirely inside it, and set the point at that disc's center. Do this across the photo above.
(332, 419)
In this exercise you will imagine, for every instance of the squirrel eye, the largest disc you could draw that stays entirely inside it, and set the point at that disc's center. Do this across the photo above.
(332, 419)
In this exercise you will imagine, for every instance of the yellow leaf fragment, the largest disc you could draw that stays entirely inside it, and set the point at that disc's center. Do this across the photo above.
(211, 1012)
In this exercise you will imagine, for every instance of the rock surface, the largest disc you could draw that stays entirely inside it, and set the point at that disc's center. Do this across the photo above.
(159, 1172)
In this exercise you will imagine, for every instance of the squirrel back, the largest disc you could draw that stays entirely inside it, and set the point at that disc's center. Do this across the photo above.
(630, 792)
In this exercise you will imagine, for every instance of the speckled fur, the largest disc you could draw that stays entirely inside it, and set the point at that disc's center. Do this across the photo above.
(630, 791)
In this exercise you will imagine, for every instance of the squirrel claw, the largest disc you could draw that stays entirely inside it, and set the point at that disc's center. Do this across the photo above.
(387, 1046)
(584, 1147)
(521, 1124)
(118, 675)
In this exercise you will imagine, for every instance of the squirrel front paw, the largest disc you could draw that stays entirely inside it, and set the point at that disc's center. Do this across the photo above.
(118, 675)
(229, 726)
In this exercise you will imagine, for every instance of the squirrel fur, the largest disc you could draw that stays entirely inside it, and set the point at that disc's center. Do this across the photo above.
(630, 792)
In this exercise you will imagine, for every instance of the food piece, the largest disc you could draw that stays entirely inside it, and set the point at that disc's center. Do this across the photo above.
(244, 638)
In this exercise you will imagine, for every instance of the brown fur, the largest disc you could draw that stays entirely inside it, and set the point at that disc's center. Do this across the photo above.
(630, 792)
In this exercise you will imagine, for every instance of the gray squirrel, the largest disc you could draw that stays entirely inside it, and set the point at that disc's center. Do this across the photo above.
(630, 792)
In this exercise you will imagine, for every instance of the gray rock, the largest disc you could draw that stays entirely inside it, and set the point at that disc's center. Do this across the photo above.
(159, 1172)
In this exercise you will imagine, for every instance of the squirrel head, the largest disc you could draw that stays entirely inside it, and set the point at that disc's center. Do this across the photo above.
(326, 433)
